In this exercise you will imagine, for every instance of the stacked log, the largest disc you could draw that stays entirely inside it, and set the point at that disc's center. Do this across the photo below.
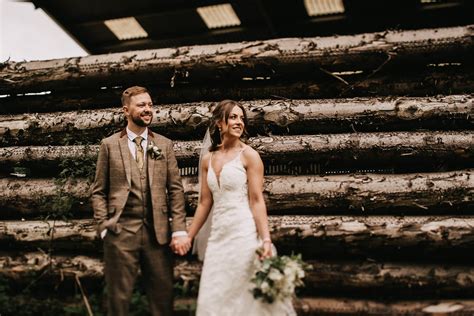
(367, 141)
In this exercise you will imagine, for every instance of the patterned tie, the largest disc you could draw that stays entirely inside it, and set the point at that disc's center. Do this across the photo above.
(139, 151)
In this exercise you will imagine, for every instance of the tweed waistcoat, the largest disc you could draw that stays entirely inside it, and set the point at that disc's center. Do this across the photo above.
(137, 211)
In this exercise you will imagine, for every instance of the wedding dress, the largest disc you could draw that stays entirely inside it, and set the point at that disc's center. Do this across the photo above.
(229, 258)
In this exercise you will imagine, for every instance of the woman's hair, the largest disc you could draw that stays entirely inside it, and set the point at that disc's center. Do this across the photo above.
(222, 112)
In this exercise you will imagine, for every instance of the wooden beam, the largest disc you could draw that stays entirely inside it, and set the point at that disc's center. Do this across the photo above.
(354, 193)
(436, 80)
(275, 58)
(385, 279)
(420, 238)
(393, 147)
(349, 306)
(188, 121)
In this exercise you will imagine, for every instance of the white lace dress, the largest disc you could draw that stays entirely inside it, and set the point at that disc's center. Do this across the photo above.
(229, 259)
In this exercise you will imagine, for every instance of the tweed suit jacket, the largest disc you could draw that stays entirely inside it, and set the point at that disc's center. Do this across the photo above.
(112, 184)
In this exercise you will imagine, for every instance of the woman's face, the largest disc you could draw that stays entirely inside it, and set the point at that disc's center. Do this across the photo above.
(235, 123)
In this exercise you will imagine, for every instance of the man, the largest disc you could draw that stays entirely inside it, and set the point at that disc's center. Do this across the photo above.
(138, 200)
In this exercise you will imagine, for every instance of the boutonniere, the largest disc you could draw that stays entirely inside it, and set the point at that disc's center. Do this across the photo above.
(154, 151)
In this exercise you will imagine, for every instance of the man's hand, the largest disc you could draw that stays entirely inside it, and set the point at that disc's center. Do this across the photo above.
(180, 245)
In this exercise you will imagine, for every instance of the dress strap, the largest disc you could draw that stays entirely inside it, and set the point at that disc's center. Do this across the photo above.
(239, 155)
(210, 159)
(243, 149)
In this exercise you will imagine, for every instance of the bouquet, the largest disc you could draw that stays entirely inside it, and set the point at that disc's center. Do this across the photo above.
(277, 277)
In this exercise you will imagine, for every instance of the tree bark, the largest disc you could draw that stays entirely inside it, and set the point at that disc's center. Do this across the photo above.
(349, 306)
(327, 278)
(455, 79)
(40, 197)
(274, 58)
(186, 121)
(393, 147)
(447, 191)
(421, 238)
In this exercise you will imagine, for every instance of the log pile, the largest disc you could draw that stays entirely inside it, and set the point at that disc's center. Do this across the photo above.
(367, 140)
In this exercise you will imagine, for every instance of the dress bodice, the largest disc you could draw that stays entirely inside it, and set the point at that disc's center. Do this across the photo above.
(231, 186)
(230, 196)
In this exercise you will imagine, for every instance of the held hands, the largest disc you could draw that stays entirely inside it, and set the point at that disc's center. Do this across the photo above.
(180, 245)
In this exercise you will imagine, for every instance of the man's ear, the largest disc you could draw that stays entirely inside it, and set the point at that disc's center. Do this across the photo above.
(125, 110)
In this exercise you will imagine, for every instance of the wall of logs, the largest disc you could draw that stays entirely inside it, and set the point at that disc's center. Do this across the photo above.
(368, 144)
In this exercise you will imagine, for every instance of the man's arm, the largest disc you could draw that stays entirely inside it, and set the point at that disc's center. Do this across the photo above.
(100, 188)
(176, 198)
(175, 192)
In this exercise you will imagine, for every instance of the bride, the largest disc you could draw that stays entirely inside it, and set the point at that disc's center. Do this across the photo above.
(231, 179)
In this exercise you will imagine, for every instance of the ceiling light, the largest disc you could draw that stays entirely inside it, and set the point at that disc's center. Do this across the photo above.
(221, 15)
(323, 7)
(126, 28)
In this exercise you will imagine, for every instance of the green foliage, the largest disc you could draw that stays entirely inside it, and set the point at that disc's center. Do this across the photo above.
(73, 168)
(60, 206)
(186, 288)
(39, 298)
(139, 303)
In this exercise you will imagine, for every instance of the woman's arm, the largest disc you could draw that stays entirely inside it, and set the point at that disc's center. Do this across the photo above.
(254, 166)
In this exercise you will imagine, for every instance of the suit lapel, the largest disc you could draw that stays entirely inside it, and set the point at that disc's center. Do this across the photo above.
(125, 152)
(150, 161)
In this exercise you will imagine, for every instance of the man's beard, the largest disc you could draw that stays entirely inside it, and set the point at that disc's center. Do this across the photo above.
(140, 122)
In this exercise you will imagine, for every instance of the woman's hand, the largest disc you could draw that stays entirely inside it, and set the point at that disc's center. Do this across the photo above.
(266, 250)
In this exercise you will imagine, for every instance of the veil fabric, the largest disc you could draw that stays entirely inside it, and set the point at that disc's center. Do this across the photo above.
(200, 241)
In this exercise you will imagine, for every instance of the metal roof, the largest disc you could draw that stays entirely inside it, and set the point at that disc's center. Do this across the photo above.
(171, 23)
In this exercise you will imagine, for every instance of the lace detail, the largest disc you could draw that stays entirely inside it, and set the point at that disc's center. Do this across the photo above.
(228, 264)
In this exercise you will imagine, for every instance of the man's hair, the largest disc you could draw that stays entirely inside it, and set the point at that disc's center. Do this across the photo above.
(130, 92)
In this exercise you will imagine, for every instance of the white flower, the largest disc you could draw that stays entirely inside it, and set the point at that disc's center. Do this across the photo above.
(275, 275)
(265, 287)
(276, 278)
(154, 151)
(300, 273)
(288, 288)
(289, 274)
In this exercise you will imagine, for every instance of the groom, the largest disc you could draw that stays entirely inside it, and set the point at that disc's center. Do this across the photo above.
(138, 200)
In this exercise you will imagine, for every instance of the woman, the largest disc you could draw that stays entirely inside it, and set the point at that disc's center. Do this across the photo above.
(231, 184)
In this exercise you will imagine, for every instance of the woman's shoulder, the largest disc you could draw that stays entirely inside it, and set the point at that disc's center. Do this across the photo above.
(250, 154)
(205, 159)
(247, 149)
